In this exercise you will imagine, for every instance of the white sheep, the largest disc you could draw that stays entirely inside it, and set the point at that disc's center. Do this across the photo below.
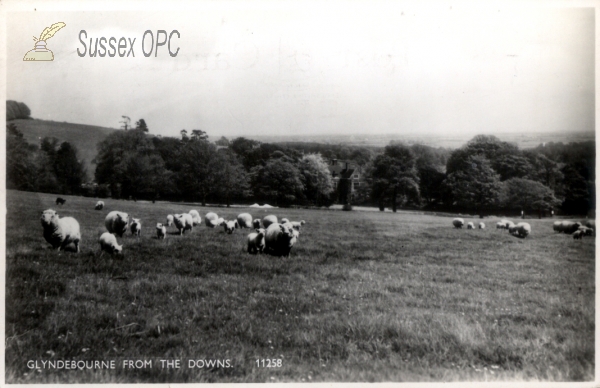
(500, 225)
(569, 227)
(116, 222)
(522, 229)
(256, 241)
(136, 227)
(481, 225)
(586, 231)
(470, 225)
(170, 220)
(99, 205)
(244, 220)
(108, 243)
(590, 224)
(196, 219)
(297, 225)
(229, 226)
(512, 229)
(183, 222)
(557, 226)
(458, 222)
(279, 239)
(284, 221)
(508, 225)
(578, 235)
(211, 220)
(161, 231)
(268, 220)
(60, 232)
(256, 223)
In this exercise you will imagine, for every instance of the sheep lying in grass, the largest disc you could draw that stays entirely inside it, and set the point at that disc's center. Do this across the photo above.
(116, 222)
(256, 241)
(99, 205)
(196, 219)
(470, 225)
(60, 232)
(279, 240)
(108, 243)
(183, 222)
(569, 227)
(481, 225)
(578, 235)
(161, 231)
(170, 220)
(458, 223)
(136, 227)
(229, 226)
(244, 220)
(268, 220)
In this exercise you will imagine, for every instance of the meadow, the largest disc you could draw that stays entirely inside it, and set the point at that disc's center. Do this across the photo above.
(363, 297)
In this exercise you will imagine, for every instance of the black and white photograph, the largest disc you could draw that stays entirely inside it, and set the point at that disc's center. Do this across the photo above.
(298, 192)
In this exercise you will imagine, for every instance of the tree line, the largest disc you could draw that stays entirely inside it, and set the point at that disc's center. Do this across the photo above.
(485, 175)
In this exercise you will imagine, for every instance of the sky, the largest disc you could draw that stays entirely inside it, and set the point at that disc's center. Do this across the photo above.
(314, 68)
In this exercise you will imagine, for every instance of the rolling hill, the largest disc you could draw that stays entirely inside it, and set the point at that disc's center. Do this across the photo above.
(84, 137)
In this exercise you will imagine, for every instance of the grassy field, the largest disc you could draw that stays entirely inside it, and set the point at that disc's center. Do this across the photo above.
(364, 296)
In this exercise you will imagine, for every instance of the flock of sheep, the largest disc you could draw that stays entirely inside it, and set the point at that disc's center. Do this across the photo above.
(523, 229)
(271, 235)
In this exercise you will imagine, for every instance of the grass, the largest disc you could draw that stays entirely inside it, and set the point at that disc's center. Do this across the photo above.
(364, 296)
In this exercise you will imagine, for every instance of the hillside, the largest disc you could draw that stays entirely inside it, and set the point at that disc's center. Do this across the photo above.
(84, 137)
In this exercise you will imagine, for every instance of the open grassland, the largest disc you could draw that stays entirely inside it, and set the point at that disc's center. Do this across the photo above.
(364, 296)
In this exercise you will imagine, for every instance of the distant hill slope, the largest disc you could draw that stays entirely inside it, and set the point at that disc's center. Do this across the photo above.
(84, 137)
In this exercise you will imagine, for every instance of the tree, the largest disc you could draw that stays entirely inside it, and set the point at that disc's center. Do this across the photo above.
(141, 125)
(20, 163)
(126, 122)
(196, 177)
(528, 195)
(394, 175)
(223, 142)
(476, 185)
(230, 178)
(278, 180)
(70, 171)
(578, 191)
(199, 135)
(317, 178)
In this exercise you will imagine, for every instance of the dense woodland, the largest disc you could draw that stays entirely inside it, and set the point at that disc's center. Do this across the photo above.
(485, 175)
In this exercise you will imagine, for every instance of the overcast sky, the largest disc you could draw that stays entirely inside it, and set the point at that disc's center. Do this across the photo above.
(293, 68)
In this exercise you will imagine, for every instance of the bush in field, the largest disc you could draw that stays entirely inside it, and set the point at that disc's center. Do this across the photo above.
(17, 110)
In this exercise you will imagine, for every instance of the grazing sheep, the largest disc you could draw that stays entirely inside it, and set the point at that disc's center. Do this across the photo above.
(570, 227)
(108, 243)
(256, 223)
(99, 205)
(60, 232)
(116, 222)
(578, 235)
(500, 225)
(586, 231)
(279, 240)
(297, 224)
(508, 225)
(470, 225)
(196, 219)
(211, 220)
(256, 241)
(136, 227)
(60, 201)
(458, 223)
(183, 222)
(481, 225)
(161, 231)
(268, 220)
(512, 229)
(284, 221)
(557, 226)
(229, 226)
(244, 220)
(522, 229)
(170, 220)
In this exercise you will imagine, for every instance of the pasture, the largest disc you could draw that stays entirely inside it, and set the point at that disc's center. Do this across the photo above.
(363, 297)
